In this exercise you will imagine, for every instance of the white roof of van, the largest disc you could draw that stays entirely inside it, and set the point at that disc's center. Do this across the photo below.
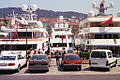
(102, 50)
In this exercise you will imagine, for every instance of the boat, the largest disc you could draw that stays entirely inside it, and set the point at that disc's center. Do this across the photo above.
(24, 34)
(61, 36)
(101, 31)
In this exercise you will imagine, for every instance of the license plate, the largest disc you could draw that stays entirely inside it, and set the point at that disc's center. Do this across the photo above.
(72, 63)
(3, 64)
(94, 63)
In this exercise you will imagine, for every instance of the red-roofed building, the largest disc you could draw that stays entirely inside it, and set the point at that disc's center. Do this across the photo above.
(4, 21)
(50, 22)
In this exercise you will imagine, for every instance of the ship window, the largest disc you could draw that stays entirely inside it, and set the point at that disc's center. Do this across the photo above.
(98, 36)
(18, 47)
(22, 35)
(115, 36)
(105, 36)
(59, 45)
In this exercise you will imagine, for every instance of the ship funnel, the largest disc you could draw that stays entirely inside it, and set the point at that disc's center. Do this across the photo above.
(91, 14)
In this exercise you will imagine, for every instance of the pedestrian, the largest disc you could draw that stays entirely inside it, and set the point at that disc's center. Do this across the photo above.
(75, 51)
(52, 51)
(35, 51)
(57, 55)
(39, 51)
(63, 53)
(29, 53)
(79, 52)
(49, 57)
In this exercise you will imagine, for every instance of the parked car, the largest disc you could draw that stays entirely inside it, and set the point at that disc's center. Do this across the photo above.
(71, 61)
(39, 62)
(12, 61)
(102, 59)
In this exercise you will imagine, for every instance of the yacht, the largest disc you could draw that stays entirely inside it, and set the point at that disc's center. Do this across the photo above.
(62, 36)
(24, 35)
(101, 31)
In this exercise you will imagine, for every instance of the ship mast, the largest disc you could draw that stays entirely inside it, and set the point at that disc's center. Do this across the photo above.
(101, 7)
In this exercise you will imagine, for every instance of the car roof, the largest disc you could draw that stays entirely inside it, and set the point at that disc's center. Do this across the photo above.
(68, 54)
(106, 50)
(10, 54)
(40, 55)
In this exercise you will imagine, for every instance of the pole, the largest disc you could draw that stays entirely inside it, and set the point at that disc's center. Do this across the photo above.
(26, 42)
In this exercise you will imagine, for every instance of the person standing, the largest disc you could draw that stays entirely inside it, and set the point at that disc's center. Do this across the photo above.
(75, 51)
(57, 55)
(63, 53)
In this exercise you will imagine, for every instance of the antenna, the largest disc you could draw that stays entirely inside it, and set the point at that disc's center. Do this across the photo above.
(101, 7)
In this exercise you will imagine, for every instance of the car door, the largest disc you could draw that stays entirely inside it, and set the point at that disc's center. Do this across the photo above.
(20, 60)
(111, 60)
(98, 58)
(23, 60)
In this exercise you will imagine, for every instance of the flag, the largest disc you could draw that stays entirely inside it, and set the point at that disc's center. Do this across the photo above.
(14, 36)
(62, 38)
(107, 21)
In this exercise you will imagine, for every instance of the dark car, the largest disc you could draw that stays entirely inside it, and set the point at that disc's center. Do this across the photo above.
(39, 62)
(71, 61)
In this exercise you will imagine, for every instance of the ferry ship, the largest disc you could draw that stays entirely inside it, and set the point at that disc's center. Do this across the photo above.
(25, 34)
(62, 36)
(100, 31)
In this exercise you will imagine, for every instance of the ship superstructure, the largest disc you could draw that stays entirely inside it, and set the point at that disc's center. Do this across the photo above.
(62, 36)
(100, 31)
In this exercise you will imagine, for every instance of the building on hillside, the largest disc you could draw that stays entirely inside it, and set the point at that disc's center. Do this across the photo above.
(5, 21)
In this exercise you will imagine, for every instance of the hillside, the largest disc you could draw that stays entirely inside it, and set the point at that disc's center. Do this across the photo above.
(41, 13)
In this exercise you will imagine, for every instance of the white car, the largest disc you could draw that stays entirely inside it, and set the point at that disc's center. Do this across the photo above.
(102, 59)
(12, 62)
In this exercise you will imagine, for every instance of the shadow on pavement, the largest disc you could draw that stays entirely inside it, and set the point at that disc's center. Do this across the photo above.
(96, 69)
(36, 71)
(66, 70)
(6, 72)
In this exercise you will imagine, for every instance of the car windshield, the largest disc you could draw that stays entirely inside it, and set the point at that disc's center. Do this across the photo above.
(72, 57)
(98, 54)
(41, 57)
(8, 58)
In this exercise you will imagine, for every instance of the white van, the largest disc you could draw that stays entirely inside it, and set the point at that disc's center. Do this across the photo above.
(102, 59)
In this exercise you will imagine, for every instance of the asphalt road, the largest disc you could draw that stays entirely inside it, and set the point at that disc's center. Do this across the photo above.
(60, 77)
(56, 73)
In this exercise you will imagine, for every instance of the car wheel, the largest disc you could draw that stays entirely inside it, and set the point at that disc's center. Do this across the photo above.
(115, 63)
(63, 68)
(18, 69)
(30, 71)
(47, 70)
(25, 64)
(91, 68)
(79, 68)
(109, 68)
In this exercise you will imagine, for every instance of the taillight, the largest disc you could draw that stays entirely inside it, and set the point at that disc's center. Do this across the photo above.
(11, 64)
(107, 63)
(64, 62)
(31, 63)
(89, 62)
(44, 63)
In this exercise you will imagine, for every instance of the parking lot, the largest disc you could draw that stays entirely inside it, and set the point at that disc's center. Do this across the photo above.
(55, 70)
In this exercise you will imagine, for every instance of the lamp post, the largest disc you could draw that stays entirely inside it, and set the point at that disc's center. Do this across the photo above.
(30, 9)
(26, 42)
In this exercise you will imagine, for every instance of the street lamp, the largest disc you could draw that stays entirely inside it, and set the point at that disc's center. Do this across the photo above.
(29, 9)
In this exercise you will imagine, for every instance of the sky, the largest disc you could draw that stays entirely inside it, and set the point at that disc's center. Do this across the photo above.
(82, 6)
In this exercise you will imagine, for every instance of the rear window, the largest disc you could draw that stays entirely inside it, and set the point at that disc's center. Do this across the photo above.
(73, 57)
(8, 58)
(41, 57)
(98, 54)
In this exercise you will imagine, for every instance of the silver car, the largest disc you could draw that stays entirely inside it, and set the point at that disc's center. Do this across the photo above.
(39, 62)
